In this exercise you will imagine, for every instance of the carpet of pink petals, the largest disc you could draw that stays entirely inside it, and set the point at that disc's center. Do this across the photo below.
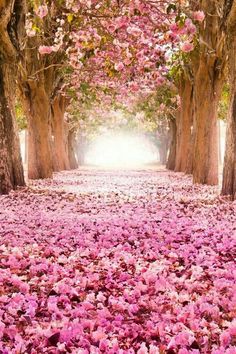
(117, 262)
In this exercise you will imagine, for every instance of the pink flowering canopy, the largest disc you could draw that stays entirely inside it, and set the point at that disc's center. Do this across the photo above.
(119, 45)
(117, 262)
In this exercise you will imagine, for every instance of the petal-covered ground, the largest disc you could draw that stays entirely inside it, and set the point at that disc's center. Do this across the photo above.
(117, 262)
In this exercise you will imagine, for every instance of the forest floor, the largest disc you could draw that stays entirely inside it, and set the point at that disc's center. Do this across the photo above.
(102, 261)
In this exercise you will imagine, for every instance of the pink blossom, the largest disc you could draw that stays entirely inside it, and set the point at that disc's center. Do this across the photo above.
(183, 339)
(104, 345)
(98, 335)
(232, 328)
(43, 49)
(199, 16)
(187, 47)
(174, 27)
(42, 11)
(30, 32)
(134, 31)
(133, 308)
(225, 338)
(143, 349)
(2, 327)
(153, 349)
(119, 66)
(190, 27)
(80, 273)
(101, 297)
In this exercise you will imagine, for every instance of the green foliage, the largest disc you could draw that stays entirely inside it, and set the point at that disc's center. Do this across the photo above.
(171, 7)
(20, 117)
(157, 107)
(224, 103)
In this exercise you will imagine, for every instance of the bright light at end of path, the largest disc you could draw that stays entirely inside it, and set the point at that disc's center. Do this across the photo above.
(121, 151)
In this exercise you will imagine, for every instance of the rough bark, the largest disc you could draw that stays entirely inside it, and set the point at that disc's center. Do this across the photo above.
(189, 164)
(60, 144)
(11, 23)
(229, 173)
(38, 111)
(11, 169)
(72, 149)
(39, 80)
(208, 63)
(184, 127)
(172, 151)
(207, 91)
(37, 83)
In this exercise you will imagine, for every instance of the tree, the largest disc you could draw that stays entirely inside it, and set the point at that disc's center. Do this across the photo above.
(160, 111)
(38, 79)
(59, 130)
(114, 45)
(200, 88)
(11, 23)
(184, 126)
(208, 66)
(171, 161)
(229, 174)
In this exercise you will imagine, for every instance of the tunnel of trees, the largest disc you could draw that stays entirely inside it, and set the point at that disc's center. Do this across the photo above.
(64, 62)
(117, 261)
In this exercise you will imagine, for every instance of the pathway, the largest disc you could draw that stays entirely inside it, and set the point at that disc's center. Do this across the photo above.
(117, 262)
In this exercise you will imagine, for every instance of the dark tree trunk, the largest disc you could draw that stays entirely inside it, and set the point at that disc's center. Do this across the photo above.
(208, 69)
(11, 24)
(229, 173)
(207, 91)
(184, 127)
(38, 111)
(172, 151)
(60, 145)
(11, 168)
(207, 66)
(72, 145)
(189, 164)
(39, 80)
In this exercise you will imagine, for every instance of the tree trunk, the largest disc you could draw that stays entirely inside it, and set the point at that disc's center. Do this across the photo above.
(172, 151)
(189, 164)
(207, 91)
(184, 128)
(81, 150)
(11, 24)
(60, 146)
(11, 168)
(163, 150)
(229, 174)
(208, 68)
(26, 147)
(72, 149)
(38, 111)
(38, 81)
